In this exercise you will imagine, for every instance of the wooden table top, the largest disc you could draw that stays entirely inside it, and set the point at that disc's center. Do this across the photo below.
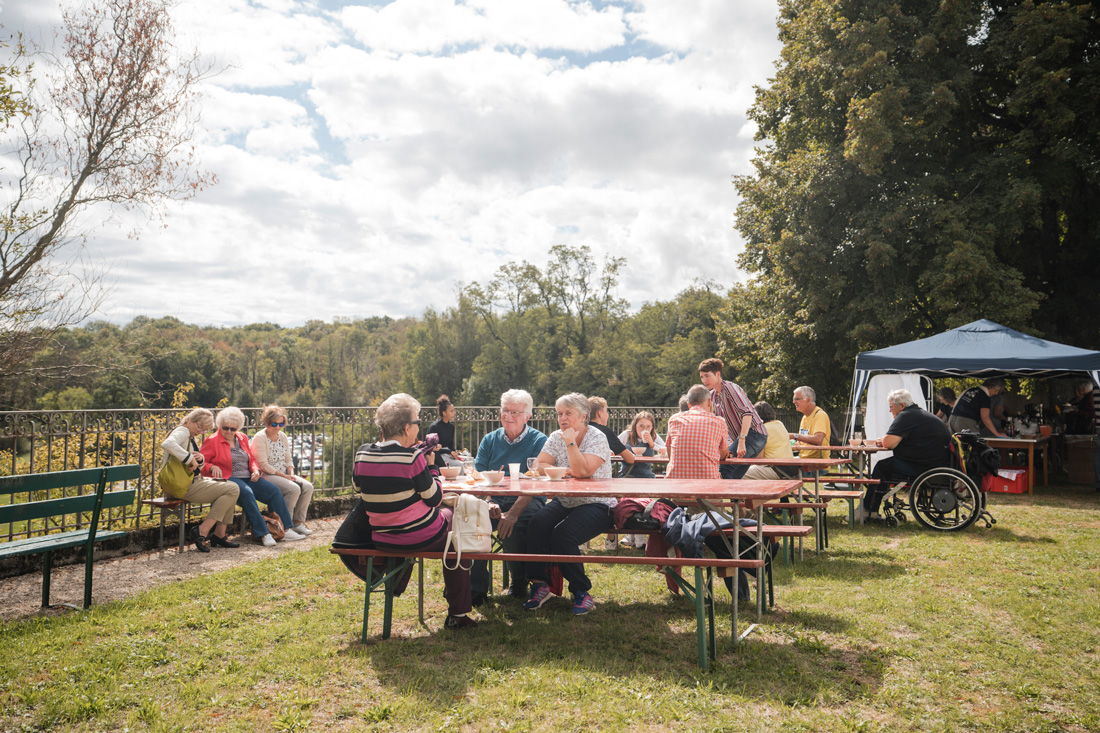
(675, 489)
(807, 463)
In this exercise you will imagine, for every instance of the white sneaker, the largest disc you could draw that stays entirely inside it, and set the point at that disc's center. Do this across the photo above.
(301, 529)
(861, 513)
(291, 536)
(268, 541)
(610, 545)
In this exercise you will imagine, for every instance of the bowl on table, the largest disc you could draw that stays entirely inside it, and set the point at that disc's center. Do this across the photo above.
(556, 473)
(493, 477)
(854, 442)
(638, 450)
(450, 472)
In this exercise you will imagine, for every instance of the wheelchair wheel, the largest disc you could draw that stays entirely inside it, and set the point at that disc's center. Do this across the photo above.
(945, 499)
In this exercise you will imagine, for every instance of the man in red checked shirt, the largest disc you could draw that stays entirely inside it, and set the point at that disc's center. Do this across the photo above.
(696, 438)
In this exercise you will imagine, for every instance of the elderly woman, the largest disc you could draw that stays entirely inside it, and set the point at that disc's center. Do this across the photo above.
(272, 451)
(564, 524)
(220, 495)
(401, 494)
(229, 456)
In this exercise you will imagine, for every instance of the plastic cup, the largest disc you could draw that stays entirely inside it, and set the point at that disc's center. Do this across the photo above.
(514, 470)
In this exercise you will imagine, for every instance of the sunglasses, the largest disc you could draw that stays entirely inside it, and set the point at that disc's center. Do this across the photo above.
(230, 430)
(278, 424)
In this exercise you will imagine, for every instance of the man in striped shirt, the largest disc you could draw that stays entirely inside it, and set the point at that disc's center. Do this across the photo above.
(747, 433)
(696, 439)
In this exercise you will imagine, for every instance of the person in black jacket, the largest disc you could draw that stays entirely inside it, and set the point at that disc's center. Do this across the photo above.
(444, 427)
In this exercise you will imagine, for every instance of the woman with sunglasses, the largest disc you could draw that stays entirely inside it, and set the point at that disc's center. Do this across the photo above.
(229, 456)
(272, 451)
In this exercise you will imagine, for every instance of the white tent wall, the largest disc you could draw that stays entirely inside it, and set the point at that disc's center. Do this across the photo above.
(878, 417)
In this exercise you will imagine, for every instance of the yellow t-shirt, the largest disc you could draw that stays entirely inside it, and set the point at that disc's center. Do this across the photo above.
(779, 445)
(816, 422)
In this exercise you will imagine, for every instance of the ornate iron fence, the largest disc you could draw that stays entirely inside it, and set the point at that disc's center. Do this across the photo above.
(324, 441)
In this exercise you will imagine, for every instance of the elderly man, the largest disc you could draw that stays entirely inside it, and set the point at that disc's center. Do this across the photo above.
(514, 442)
(920, 441)
(696, 438)
(814, 427)
(745, 428)
(974, 409)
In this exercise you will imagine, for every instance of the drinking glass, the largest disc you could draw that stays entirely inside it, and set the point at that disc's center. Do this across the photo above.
(532, 464)
(468, 467)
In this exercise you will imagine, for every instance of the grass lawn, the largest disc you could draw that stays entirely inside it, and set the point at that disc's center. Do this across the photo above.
(892, 629)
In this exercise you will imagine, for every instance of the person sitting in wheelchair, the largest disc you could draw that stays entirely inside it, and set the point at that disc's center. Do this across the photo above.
(920, 441)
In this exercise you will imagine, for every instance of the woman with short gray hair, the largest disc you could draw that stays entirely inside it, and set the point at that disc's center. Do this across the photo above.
(229, 457)
(564, 524)
(401, 495)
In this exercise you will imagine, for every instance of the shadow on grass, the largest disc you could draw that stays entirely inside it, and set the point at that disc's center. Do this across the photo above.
(999, 533)
(845, 563)
(550, 650)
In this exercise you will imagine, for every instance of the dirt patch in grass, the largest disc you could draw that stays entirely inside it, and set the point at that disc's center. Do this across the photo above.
(123, 577)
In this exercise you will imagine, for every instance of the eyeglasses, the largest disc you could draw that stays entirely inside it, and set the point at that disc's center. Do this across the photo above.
(414, 422)
(230, 430)
(278, 424)
(513, 413)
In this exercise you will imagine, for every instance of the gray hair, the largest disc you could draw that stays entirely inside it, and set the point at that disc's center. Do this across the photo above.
(394, 415)
(900, 397)
(697, 395)
(520, 396)
(808, 393)
(574, 401)
(230, 417)
(200, 417)
(683, 403)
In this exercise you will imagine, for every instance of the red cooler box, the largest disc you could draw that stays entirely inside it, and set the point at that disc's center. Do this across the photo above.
(1008, 480)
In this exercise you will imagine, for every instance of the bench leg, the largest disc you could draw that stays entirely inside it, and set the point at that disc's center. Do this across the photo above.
(88, 575)
(700, 618)
(366, 598)
(391, 583)
(710, 612)
(181, 512)
(160, 546)
(47, 568)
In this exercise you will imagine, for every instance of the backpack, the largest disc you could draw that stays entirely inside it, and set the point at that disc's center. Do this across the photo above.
(471, 529)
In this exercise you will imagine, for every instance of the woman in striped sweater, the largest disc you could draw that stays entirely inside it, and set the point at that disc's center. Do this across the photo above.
(401, 493)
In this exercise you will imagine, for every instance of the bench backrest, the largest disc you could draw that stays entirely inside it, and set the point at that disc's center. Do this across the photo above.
(98, 477)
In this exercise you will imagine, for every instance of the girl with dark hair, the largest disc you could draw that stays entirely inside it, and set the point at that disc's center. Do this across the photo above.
(444, 427)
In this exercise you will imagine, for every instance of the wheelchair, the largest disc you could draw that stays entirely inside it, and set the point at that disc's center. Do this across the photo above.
(949, 498)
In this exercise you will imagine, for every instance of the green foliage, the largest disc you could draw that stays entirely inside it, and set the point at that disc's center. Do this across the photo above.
(926, 165)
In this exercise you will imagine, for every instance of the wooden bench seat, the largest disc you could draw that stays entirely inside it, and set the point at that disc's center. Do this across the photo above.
(57, 508)
(701, 592)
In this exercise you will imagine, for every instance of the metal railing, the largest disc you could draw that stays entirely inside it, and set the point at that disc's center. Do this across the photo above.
(323, 438)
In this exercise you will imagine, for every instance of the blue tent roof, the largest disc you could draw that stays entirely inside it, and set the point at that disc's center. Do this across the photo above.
(982, 348)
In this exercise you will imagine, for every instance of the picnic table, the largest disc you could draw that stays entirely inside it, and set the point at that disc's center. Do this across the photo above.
(713, 496)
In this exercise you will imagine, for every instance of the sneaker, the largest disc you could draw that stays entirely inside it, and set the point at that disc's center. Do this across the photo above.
(291, 536)
(459, 622)
(540, 594)
(302, 530)
(610, 544)
(582, 604)
(268, 540)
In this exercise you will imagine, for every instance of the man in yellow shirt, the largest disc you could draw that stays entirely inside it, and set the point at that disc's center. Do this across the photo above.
(814, 428)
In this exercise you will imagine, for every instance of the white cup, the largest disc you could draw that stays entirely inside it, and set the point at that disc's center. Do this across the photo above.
(514, 470)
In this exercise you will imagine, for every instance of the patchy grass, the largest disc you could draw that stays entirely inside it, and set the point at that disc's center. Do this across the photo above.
(892, 629)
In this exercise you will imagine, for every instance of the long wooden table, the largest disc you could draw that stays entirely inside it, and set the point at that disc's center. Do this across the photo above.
(709, 494)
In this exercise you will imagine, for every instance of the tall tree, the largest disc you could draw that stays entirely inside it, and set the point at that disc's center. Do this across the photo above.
(110, 124)
(926, 164)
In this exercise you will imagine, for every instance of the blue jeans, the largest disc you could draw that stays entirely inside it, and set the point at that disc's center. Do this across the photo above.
(557, 530)
(754, 443)
(267, 492)
(888, 471)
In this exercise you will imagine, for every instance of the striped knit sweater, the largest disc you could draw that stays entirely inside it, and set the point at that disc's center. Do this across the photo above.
(401, 495)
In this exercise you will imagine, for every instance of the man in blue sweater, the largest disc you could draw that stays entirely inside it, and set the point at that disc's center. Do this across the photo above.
(514, 442)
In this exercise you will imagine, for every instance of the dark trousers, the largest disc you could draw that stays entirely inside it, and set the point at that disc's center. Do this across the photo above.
(754, 443)
(888, 471)
(515, 542)
(557, 530)
(456, 583)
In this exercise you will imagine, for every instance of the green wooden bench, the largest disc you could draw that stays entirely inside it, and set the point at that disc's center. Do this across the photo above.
(25, 511)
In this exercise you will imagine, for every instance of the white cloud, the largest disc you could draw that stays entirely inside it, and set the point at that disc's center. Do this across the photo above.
(372, 157)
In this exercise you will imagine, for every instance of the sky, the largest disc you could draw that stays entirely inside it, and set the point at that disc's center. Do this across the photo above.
(373, 157)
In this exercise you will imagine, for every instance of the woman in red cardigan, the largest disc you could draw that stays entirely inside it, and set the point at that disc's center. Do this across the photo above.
(229, 456)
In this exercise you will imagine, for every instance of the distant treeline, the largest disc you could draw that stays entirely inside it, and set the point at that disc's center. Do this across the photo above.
(551, 329)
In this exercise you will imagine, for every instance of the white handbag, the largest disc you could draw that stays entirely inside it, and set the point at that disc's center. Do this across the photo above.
(471, 529)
